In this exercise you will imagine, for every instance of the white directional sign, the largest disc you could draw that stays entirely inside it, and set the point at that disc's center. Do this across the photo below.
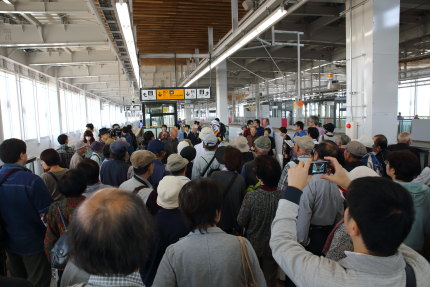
(148, 95)
(204, 93)
(190, 94)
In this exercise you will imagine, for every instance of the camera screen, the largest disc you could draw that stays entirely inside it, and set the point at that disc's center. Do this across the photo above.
(318, 167)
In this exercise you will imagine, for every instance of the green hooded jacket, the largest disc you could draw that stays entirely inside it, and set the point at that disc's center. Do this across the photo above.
(421, 196)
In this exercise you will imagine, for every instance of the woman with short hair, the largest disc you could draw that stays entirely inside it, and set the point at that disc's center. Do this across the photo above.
(403, 166)
(258, 211)
(207, 256)
(50, 162)
(233, 187)
(72, 185)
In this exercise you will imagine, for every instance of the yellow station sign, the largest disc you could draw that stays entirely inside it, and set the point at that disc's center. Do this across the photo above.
(170, 94)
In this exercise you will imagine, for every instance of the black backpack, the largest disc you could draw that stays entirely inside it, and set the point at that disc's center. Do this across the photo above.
(222, 129)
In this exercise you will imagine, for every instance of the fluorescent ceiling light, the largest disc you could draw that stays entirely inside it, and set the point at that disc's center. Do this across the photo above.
(127, 31)
(260, 28)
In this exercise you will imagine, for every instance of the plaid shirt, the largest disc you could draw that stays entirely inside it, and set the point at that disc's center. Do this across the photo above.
(117, 280)
(66, 154)
(55, 227)
(284, 176)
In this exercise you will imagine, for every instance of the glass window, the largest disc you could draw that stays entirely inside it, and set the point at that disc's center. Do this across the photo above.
(9, 106)
(64, 128)
(423, 100)
(105, 115)
(54, 113)
(82, 112)
(28, 108)
(406, 101)
(43, 109)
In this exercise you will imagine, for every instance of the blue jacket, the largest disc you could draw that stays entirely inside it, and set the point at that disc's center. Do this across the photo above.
(260, 131)
(114, 172)
(170, 228)
(158, 173)
(24, 197)
(194, 138)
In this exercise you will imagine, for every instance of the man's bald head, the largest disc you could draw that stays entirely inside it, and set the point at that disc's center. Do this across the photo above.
(173, 133)
(404, 138)
(111, 233)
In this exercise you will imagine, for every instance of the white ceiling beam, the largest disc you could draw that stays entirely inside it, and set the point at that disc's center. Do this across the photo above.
(30, 18)
(70, 72)
(70, 8)
(95, 79)
(51, 35)
(62, 58)
(9, 2)
(172, 56)
(107, 86)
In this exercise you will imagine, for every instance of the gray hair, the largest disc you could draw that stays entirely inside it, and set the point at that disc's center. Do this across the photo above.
(404, 137)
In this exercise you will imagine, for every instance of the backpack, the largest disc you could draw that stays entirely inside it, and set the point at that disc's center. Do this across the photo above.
(60, 252)
(372, 162)
(222, 129)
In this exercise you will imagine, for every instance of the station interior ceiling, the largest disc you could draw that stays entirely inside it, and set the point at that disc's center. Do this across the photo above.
(81, 43)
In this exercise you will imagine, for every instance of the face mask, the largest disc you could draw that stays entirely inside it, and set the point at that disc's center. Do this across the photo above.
(87, 138)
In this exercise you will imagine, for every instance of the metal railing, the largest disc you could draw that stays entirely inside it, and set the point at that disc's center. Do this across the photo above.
(29, 164)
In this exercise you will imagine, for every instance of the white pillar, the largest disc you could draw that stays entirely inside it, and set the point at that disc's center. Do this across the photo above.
(233, 110)
(188, 113)
(257, 100)
(372, 74)
(221, 92)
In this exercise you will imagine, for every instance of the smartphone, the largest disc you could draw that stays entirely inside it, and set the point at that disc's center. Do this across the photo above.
(319, 167)
(290, 143)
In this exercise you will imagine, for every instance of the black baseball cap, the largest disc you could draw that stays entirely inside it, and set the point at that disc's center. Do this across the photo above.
(103, 131)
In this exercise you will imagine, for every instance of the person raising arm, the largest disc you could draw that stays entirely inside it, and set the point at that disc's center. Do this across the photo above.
(379, 216)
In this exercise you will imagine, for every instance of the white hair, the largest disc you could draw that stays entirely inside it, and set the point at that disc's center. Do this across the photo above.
(404, 137)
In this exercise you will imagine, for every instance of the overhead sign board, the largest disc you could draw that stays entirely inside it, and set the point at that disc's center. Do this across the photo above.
(148, 94)
(190, 94)
(203, 93)
(168, 94)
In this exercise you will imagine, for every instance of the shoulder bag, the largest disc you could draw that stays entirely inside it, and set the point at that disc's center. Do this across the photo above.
(53, 176)
(144, 185)
(411, 280)
(60, 251)
(236, 230)
(246, 265)
(207, 167)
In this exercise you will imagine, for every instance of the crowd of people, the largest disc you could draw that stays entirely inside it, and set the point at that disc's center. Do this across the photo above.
(186, 207)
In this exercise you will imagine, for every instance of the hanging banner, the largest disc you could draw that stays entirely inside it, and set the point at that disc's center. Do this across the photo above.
(168, 94)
